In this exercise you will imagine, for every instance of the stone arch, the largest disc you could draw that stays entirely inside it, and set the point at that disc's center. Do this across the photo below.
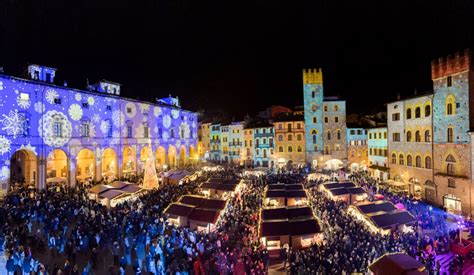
(24, 168)
(129, 161)
(182, 155)
(172, 156)
(57, 167)
(85, 165)
(192, 154)
(160, 157)
(109, 165)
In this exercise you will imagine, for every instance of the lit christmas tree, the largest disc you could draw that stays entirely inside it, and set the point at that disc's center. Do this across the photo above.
(150, 179)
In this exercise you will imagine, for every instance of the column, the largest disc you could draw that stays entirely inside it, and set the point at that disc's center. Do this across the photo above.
(98, 168)
(72, 172)
(41, 175)
(120, 165)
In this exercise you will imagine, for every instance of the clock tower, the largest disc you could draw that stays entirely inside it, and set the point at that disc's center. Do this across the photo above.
(313, 114)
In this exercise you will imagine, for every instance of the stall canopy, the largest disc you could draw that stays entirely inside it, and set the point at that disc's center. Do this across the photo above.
(378, 206)
(203, 202)
(285, 194)
(393, 218)
(397, 264)
(290, 220)
(334, 185)
(285, 187)
(197, 208)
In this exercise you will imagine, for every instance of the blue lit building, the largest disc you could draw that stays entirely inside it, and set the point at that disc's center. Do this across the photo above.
(377, 146)
(264, 146)
(357, 154)
(56, 134)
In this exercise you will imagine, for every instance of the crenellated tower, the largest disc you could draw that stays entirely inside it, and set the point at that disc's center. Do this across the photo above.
(313, 96)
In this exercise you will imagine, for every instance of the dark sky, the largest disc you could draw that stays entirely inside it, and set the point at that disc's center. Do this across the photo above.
(238, 56)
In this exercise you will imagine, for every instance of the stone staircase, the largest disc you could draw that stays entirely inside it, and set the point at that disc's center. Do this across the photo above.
(445, 260)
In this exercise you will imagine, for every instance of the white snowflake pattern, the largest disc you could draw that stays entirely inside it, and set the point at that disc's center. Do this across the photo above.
(39, 107)
(118, 118)
(75, 145)
(194, 124)
(105, 126)
(1, 85)
(13, 123)
(4, 145)
(51, 95)
(184, 127)
(75, 112)
(96, 118)
(28, 147)
(115, 140)
(144, 108)
(131, 109)
(165, 136)
(91, 101)
(156, 111)
(175, 113)
(155, 129)
(23, 103)
(78, 97)
(166, 121)
(145, 119)
(4, 173)
(46, 128)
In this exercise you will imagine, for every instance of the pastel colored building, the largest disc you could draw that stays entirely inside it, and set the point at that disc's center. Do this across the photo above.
(248, 149)
(377, 146)
(263, 136)
(215, 142)
(224, 142)
(236, 137)
(410, 145)
(325, 124)
(204, 141)
(289, 139)
(53, 133)
(358, 155)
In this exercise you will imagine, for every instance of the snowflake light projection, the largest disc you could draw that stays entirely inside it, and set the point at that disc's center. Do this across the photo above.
(96, 118)
(75, 112)
(4, 173)
(165, 136)
(75, 146)
(115, 140)
(131, 109)
(1, 85)
(23, 103)
(46, 128)
(194, 124)
(144, 108)
(118, 118)
(4, 145)
(91, 129)
(166, 121)
(51, 95)
(155, 129)
(184, 128)
(28, 147)
(105, 126)
(175, 113)
(39, 107)
(156, 111)
(78, 97)
(14, 123)
(91, 101)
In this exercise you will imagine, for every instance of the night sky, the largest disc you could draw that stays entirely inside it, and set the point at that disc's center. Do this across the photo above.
(238, 56)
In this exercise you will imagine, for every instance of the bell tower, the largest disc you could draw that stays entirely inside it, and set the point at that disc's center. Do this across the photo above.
(313, 113)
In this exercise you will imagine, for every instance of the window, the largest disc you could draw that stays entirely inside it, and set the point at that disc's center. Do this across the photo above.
(336, 119)
(449, 81)
(280, 137)
(280, 149)
(313, 133)
(370, 135)
(315, 148)
(109, 108)
(299, 149)
(172, 133)
(289, 127)
(325, 108)
(298, 137)
(450, 101)
(329, 135)
(109, 130)
(371, 151)
(427, 110)
(326, 150)
(264, 130)
(129, 130)
(409, 136)
(409, 160)
(298, 125)
(264, 153)
(85, 105)
(418, 161)
(396, 136)
(451, 183)
(257, 151)
(395, 116)
(264, 140)
(336, 108)
(450, 168)
(401, 159)
(146, 131)
(85, 129)
(129, 110)
(408, 113)
(359, 132)
(58, 129)
(290, 149)
(338, 134)
(352, 132)
(326, 119)
(352, 153)
(245, 143)
(290, 137)
(427, 136)
(314, 107)
(315, 120)
(450, 134)
(417, 112)
(380, 135)
(160, 132)
(417, 136)
(385, 135)
(313, 94)
(394, 158)
(428, 162)
(270, 141)
(57, 100)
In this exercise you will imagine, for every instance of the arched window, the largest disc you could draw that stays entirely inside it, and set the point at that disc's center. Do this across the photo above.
(417, 136)
(329, 135)
(394, 158)
(409, 136)
(264, 153)
(428, 162)
(401, 160)
(427, 110)
(427, 136)
(450, 158)
(450, 134)
(336, 108)
(418, 161)
(417, 112)
(450, 169)
(338, 133)
(280, 137)
(313, 94)
(408, 113)
(290, 149)
(299, 149)
(352, 153)
(290, 137)
(409, 160)
(314, 135)
(280, 149)
(450, 105)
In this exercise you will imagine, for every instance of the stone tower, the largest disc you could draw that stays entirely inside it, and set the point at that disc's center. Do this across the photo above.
(313, 113)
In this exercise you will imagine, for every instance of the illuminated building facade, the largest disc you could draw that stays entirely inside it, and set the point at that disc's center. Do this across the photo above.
(410, 144)
(377, 146)
(236, 137)
(53, 133)
(224, 142)
(215, 142)
(204, 141)
(263, 136)
(248, 149)
(325, 124)
(289, 139)
(358, 155)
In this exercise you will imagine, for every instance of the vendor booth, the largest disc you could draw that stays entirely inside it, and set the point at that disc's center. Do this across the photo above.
(114, 193)
(397, 264)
